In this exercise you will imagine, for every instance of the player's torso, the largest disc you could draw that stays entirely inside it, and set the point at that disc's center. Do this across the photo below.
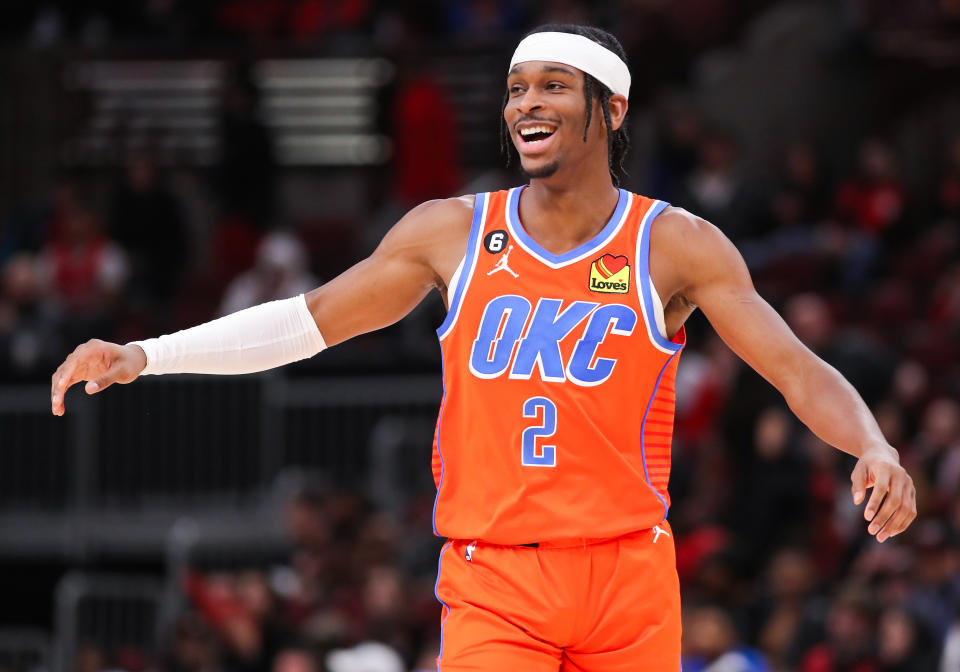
(558, 384)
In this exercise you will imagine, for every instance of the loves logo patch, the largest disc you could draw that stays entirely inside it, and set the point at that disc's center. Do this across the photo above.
(610, 274)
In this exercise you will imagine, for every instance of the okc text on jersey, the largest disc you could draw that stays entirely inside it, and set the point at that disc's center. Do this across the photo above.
(516, 337)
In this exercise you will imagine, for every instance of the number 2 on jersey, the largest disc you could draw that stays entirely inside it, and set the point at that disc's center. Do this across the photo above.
(547, 456)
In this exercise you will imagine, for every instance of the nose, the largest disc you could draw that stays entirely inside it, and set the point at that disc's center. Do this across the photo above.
(530, 101)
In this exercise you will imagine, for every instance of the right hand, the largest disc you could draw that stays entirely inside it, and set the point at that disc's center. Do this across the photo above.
(99, 363)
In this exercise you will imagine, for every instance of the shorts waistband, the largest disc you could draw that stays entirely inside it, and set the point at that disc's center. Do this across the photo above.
(572, 542)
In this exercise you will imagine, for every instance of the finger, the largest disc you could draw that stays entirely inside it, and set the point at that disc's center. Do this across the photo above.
(890, 507)
(62, 382)
(53, 389)
(859, 479)
(881, 485)
(895, 525)
(73, 370)
(902, 519)
(102, 382)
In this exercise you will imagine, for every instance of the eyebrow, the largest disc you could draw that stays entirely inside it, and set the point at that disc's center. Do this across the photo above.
(546, 68)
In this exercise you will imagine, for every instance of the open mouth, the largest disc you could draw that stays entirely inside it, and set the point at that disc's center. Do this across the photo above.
(536, 133)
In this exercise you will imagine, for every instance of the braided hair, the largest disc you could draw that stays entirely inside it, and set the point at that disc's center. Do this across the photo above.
(618, 142)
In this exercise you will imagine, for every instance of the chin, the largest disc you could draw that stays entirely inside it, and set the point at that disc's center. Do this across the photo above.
(539, 172)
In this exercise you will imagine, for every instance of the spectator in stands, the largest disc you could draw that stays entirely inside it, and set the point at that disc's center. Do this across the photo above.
(711, 644)
(29, 338)
(855, 353)
(934, 588)
(307, 517)
(787, 237)
(365, 657)
(870, 206)
(295, 659)
(89, 657)
(770, 504)
(938, 448)
(23, 231)
(244, 174)
(678, 137)
(484, 19)
(83, 273)
(783, 606)
(193, 646)
(147, 221)
(945, 303)
(566, 11)
(847, 645)
(903, 645)
(873, 200)
(310, 20)
(716, 189)
(301, 20)
(280, 272)
(950, 661)
(384, 602)
(245, 170)
(243, 612)
(802, 175)
(948, 191)
(422, 116)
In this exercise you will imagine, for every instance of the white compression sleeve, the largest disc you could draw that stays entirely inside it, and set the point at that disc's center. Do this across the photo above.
(255, 339)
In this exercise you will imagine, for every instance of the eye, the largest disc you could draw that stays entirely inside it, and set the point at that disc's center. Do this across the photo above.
(515, 89)
(555, 86)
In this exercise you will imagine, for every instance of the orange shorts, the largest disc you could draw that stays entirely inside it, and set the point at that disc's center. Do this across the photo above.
(604, 606)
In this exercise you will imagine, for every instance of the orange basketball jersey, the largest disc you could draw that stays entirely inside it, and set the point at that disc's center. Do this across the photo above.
(558, 404)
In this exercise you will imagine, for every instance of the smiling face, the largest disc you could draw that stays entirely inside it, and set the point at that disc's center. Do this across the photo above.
(545, 114)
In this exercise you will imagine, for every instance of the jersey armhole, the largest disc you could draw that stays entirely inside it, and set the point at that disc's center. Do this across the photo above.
(658, 316)
(650, 302)
(455, 280)
(461, 277)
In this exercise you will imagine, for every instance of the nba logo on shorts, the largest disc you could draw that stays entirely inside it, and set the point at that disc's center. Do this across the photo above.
(610, 275)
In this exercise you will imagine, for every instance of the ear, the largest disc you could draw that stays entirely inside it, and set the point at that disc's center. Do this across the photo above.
(618, 110)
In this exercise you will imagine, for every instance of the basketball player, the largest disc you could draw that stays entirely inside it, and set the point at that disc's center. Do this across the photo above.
(552, 448)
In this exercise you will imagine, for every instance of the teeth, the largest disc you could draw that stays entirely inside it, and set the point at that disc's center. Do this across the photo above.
(535, 129)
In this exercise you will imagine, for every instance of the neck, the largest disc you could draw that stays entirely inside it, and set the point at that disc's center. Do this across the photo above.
(570, 207)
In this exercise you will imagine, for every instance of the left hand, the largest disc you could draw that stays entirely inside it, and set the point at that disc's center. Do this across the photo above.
(893, 502)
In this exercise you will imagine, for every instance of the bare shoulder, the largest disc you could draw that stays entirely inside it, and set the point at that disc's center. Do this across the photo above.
(676, 229)
(433, 234)
(439, 216)
(688, 251)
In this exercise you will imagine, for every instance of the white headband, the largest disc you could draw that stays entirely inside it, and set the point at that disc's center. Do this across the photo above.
(578, 51)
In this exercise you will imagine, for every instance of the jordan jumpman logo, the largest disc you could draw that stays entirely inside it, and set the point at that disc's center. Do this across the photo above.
(657, 531)
(502, 265)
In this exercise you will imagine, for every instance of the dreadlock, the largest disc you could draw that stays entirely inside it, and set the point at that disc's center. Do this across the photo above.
(618, 142)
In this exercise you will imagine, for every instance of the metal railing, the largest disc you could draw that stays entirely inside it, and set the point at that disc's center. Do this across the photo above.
(122, 467)
(110, 617)
(321, 110)
(25, 650)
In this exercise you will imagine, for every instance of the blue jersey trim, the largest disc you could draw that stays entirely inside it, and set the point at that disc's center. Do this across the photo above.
(643, 277)
(643, 427)
(437, 595)
(466, 273)
(443, 401)
(513, 212)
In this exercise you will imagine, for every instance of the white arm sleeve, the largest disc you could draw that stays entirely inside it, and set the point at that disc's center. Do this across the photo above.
(255, 339)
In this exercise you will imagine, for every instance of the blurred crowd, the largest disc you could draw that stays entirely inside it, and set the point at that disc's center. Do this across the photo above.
(308, 23)
(777, 571)
(776, 568)
(356, 596)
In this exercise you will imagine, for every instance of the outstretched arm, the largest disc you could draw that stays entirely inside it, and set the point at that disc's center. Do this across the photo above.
(711, 274)
(420, 252)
